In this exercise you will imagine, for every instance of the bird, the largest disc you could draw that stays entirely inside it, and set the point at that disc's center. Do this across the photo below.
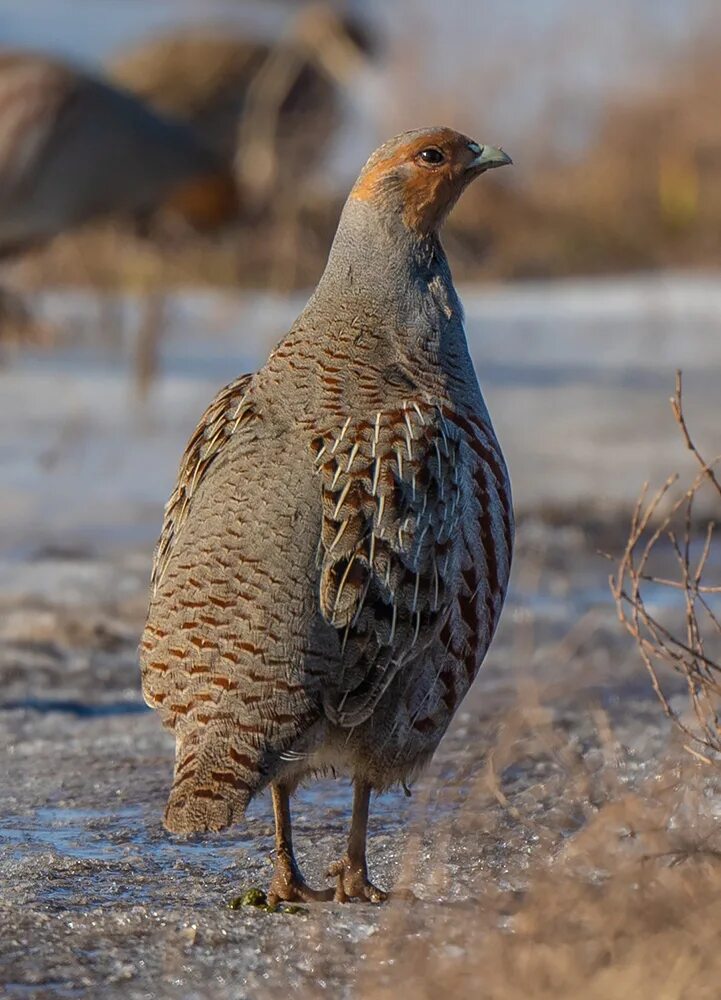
(335, 555)
(74, 147)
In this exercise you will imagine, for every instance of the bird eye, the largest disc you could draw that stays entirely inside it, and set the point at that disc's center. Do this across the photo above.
(431, 156)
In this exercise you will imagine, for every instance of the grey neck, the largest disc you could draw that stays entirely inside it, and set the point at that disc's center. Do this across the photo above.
(376, 259)
(386, 305)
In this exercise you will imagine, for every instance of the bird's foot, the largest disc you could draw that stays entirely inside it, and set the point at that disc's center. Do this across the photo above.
(289, 886)
(353, 882)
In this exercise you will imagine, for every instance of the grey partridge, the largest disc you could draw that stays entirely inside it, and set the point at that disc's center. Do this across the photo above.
(335, 556)
(74, 147)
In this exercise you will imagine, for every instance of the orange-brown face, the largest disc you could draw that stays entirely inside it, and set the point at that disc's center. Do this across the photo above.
(421, 174)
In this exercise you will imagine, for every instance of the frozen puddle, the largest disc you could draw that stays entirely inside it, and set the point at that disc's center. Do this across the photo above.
(77, 833)
(95, 857)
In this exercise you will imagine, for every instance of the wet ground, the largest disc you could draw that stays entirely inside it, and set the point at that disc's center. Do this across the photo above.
(96, 900)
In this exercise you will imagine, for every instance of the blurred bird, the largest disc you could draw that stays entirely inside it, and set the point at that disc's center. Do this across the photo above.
(274, 106)
(73, 148)
(335, 556)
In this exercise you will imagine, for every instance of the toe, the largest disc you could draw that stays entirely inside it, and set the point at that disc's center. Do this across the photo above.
(336, 869)
(352, 883)
(308, 895)
(374, 894)
(283, 890)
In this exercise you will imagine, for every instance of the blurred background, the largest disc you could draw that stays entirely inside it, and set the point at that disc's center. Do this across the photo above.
(612, 117)
(215, 161)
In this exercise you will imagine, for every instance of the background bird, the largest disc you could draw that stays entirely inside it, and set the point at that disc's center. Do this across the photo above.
(274, 105)
(335, 556)
(73, 148)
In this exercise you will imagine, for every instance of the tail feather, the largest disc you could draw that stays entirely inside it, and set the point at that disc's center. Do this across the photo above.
(215, 779)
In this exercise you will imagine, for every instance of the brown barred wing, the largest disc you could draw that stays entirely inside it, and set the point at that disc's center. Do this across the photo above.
(203, 665)
(392, 493)
(225, 415)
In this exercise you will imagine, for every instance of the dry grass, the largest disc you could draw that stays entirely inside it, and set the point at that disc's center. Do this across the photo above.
(649, 930)
(620, 900)
(693, 651)
(269, 253)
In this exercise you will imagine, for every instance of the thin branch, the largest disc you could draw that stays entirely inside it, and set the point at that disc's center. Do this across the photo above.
(692, 655)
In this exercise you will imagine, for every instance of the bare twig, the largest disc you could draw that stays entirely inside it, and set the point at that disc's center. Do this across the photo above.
(677, 407)
(695, 654)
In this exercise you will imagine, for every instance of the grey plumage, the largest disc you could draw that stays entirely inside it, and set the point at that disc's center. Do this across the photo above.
(335, 557)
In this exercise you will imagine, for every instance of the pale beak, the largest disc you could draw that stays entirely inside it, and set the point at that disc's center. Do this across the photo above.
(488, 158)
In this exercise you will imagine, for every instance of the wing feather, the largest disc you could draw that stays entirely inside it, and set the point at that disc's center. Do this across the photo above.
(219, 422)
(391, 505)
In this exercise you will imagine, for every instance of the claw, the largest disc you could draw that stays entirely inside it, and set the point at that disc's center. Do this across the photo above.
(353, 883)
(299, 892)
(288, 886)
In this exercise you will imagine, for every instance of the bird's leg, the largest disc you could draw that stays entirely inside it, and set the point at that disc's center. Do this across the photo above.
(352, 871)
(288, 885)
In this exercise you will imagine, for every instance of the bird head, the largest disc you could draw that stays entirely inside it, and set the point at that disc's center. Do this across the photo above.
(419, 175)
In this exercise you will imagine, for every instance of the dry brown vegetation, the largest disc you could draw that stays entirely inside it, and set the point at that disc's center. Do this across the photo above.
(693, 650)
(623, 910)
(645, 193)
